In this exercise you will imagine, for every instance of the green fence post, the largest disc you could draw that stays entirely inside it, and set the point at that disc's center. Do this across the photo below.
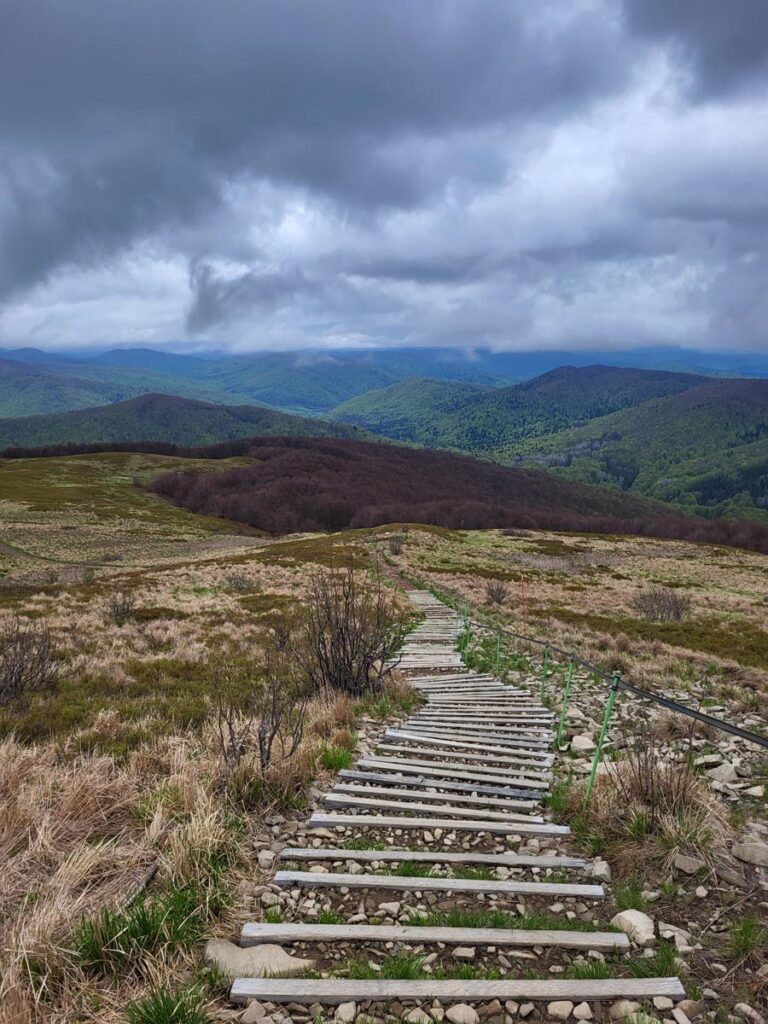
(544, 668)
(566, 691)
(498, 649)
(601, 738)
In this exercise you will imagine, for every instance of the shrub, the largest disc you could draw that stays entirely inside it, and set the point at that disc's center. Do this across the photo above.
(350, 629)
(120, 607)
(28, 663)
(395, 545)
(495, 591)
(662, 604)
(239, 583)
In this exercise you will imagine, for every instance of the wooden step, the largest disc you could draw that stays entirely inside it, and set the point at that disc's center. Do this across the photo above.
(509, 860)
(503, 764)
(419, 783)
(504, 744)
(463, 773)
(332, 991)
(342, 801)
(253, 934)
(314, 880)
(398, 793)
(509, 740)
(378, 821)
(449, 742)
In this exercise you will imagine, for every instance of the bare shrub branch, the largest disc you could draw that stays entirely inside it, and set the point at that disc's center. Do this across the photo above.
(350, 629)
(495, 591)
(28, 663)
(662, 604)
(121, 607)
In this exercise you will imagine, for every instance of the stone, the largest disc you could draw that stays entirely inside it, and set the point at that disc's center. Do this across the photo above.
(622, 1009)
(708, 760)
(417, 1016)
(254, 1012)
(561, 1009)
(691, 1007)
(756, 791)
(526, 1010)
(688, 865)
(601, 871)
(701, 892)
(464, 953)
(662, 1003)
(263, 961)
(345, 1013)
(725, 772)
(637, 925)
(460, 1013)
(583, 1011)
(392, 909)
(582, 744)
(265, 859)
(269, 899)
(747, 1012)
(752, 853)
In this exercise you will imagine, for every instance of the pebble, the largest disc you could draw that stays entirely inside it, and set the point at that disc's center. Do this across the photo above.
(345, 1013)
(461, 1013)
(561, 1009)
(583, 1011)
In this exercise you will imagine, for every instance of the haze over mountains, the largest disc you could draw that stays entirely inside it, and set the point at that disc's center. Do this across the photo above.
(693, 438)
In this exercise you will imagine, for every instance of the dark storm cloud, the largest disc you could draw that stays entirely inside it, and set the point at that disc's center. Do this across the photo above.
(135, 106)
(725, 42)
(340, 171)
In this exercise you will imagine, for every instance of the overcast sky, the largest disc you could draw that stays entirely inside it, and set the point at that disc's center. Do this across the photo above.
(254, 174)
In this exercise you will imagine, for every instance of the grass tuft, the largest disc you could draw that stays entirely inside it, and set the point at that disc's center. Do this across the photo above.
(161, 1006)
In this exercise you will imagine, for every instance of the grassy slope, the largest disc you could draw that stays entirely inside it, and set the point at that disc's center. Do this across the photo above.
(478, 421)
(707, 447)
(162, 418)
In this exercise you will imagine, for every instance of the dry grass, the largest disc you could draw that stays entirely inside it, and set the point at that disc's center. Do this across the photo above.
(84, 832)
(648, 808)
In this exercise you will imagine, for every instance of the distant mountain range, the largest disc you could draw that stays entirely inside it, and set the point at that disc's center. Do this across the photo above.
(164, 418)
(311, 383)
(678, 436)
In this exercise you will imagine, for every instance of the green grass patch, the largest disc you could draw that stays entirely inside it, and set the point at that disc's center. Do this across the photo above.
(335, 758)
(537, 921)
(161, 1006)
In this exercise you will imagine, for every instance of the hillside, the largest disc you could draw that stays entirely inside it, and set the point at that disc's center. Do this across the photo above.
(162, 418)
(25, 388)
(707, 447)
(416, 409)
(302, 484)
(441, 416)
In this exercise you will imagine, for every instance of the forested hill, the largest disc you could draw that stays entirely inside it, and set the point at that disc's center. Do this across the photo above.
(706, 448)
(163, 418)
(447, 415)
(300, 484)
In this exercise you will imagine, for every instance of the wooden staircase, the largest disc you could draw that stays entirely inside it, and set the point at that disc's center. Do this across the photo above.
(471, 765)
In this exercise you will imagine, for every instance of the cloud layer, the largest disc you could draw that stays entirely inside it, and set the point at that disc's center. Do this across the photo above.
(282, 173)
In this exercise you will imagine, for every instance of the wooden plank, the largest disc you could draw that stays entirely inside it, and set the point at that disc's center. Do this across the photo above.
(521, 766)
(508, 740)
(419, 782)
(510, 860)
(463, 773)
(340, 801)
(254, 933)
(538, 757)
(450, 740)
(398, 793)
(358, 821)
(514, 887)
(332, 991)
